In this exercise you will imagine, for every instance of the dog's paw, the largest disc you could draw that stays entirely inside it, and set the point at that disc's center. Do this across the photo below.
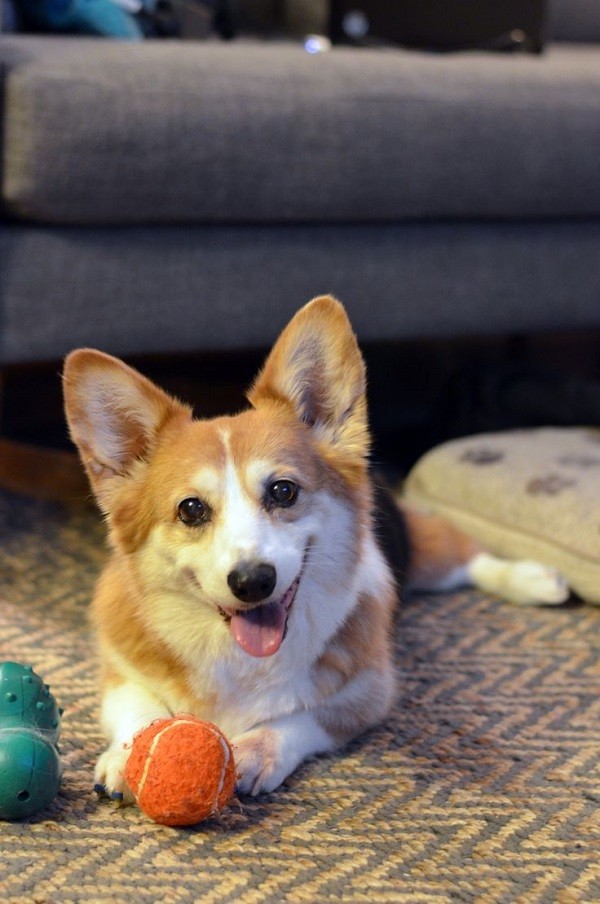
(258, 761)
(524, 582)
(109, 778)
(530, 583)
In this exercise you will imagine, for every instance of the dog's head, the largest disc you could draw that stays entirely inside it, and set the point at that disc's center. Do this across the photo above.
(234, 518)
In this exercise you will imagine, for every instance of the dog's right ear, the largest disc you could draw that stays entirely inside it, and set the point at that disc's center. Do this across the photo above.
(316, 369)
(114, 415)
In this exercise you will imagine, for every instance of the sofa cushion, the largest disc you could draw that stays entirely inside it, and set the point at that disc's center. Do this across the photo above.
(136, 290)
(106, 132)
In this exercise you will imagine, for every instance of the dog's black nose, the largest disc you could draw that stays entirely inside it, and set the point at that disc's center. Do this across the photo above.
(252, 582)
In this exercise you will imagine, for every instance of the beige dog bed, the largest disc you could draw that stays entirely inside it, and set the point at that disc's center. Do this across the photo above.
(531, 494)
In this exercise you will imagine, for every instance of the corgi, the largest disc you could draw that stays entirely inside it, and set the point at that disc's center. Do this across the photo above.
(255, 564)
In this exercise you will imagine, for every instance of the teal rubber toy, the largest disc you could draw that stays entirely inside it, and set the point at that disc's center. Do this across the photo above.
(30, 767)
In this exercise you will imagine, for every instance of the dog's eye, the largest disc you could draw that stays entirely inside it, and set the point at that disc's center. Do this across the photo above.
(282, 493)
(193, 511)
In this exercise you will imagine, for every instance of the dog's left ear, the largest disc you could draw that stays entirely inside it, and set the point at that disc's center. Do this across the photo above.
(317, 369)
(115, 415)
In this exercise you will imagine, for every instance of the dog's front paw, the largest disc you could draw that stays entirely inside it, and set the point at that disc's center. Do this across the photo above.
(110, 775)
(258, 761)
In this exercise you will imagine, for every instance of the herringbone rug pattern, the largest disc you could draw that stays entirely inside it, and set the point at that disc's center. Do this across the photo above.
(484, 785)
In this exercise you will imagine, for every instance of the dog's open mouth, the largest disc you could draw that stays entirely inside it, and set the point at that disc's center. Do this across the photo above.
(261, 631)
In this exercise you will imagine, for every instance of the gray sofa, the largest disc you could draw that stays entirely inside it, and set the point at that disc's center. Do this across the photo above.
(171, 196)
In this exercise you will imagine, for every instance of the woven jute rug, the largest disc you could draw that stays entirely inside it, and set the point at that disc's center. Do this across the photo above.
(483, 786)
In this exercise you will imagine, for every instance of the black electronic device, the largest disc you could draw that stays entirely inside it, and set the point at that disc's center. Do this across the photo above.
(441, 24)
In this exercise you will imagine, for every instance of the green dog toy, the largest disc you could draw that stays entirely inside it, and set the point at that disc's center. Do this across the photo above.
(30, 767)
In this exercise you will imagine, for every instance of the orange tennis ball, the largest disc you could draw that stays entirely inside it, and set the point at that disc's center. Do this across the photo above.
(181, 770)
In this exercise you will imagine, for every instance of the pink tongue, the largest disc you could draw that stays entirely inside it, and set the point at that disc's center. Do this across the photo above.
(259, 632)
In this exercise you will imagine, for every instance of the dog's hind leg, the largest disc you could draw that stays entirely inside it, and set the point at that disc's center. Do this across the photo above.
(444, 558)
(522, 581)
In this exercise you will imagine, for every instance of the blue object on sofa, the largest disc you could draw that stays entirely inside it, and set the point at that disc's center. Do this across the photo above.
(105, 18)
(9, 16)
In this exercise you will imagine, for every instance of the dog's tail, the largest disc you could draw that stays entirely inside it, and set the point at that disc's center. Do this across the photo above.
(441, 555)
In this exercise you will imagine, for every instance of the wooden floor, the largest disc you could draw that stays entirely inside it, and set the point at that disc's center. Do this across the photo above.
(43, 473)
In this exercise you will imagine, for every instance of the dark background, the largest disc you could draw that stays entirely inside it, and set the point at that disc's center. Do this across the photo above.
(420, 392)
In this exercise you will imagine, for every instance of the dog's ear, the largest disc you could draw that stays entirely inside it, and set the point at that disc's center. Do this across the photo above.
(114, 415)
(316, 368)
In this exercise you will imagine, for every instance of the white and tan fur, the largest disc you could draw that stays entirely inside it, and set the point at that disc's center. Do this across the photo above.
(167, 620)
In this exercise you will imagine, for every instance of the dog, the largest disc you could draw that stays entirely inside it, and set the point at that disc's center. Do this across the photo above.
(255, 565)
